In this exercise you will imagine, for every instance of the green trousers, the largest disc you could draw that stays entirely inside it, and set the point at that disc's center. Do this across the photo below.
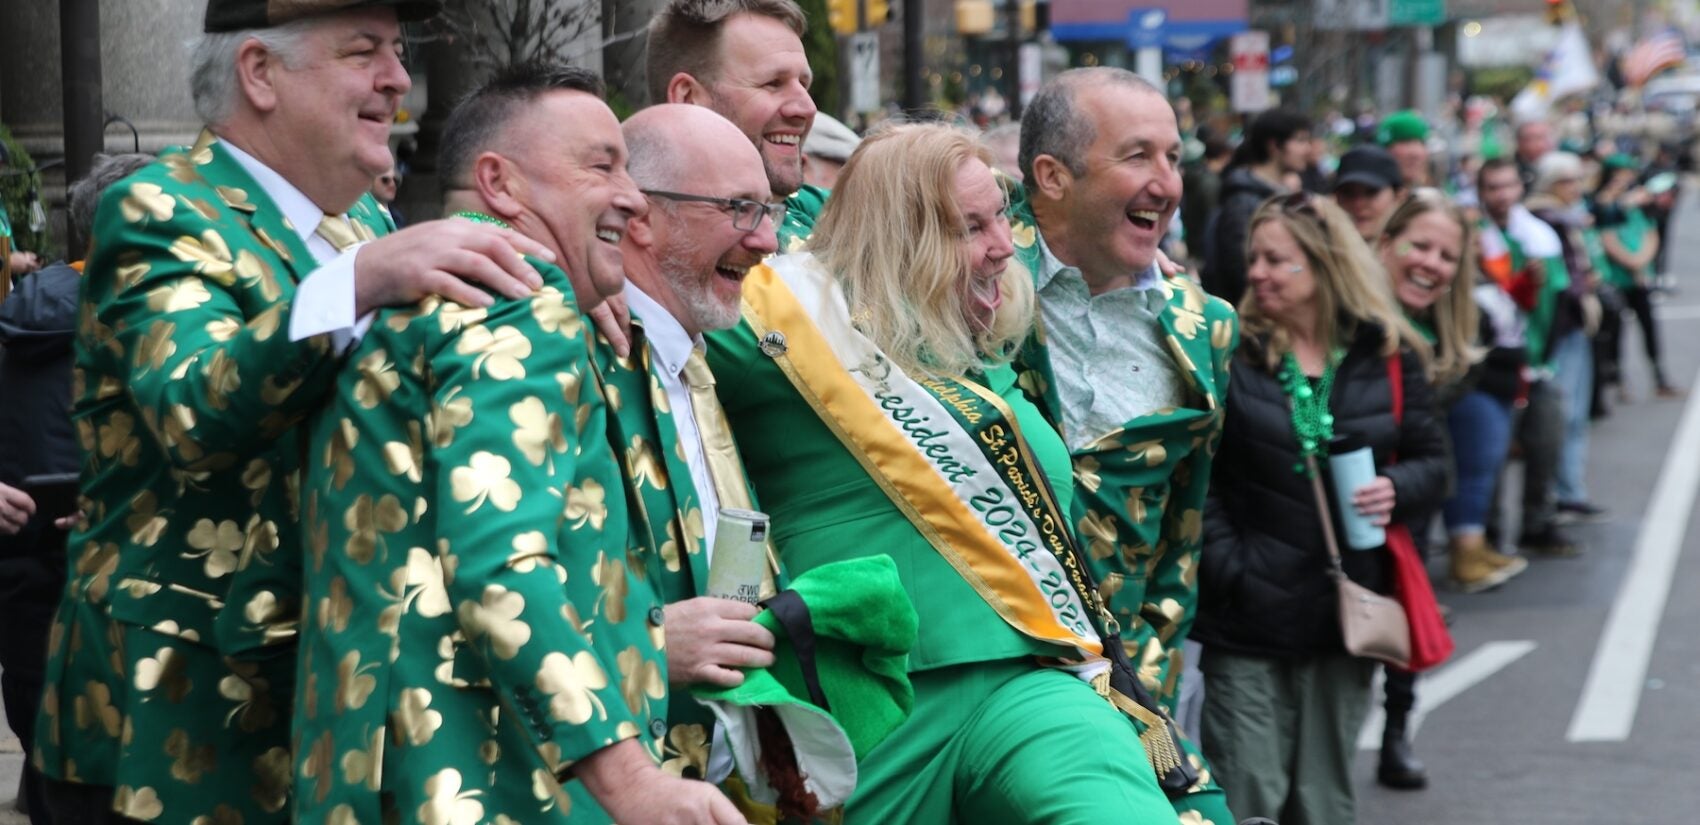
(1281, 734)
(1008, 742)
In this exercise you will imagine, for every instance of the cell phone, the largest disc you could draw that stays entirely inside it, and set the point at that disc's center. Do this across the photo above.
(55, 494)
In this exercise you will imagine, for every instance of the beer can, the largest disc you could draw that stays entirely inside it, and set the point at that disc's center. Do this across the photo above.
(738, 561)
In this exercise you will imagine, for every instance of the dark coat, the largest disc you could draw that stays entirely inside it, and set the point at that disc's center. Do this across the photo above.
(1229, 230)
(37, 324)
(1264, 587)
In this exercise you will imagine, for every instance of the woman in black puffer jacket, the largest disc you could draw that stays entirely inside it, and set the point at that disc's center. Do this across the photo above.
(1284, 700)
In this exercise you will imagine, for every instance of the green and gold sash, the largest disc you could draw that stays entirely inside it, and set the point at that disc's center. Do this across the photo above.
(946, 452)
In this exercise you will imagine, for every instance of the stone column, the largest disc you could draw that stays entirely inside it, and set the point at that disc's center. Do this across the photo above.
(145, 71)
(29, 83)
(145, 78)
(29, 74)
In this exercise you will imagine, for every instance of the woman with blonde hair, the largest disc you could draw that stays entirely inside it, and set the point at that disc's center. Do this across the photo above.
(870, 391)
(1427, 248)
(1323, 343)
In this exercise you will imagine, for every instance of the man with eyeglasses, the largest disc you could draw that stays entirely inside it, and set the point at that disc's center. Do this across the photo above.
(709, 221)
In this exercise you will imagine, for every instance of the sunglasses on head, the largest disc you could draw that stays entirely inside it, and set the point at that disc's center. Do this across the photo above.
(1300, 203)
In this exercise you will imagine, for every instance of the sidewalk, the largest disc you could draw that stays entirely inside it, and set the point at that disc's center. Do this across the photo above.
(11, 764)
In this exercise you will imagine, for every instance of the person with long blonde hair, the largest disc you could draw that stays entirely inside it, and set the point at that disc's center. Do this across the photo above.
(1427, 249)
(870, 391)
(1323, 343)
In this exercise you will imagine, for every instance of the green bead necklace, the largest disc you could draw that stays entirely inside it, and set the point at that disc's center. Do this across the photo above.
(1313, 424)
(480, 217)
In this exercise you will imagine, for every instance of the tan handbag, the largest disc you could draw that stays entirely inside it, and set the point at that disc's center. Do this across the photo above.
(1373, 625)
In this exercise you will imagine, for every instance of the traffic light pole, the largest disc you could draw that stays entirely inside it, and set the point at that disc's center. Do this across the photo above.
(1012, 70)
(914, 74)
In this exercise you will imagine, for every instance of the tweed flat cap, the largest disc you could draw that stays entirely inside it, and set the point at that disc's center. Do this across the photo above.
(830, 139)
(237, 15)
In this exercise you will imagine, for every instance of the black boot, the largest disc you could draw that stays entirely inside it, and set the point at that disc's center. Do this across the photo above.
(1400, 768)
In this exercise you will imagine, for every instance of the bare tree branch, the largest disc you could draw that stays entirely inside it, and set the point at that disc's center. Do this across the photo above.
(503, 31)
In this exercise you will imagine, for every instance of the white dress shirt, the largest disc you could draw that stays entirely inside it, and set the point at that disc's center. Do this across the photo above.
(669, 346)
(324, 300)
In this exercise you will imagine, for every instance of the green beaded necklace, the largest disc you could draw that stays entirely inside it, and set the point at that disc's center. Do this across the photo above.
(480, 217)
(1313, 424)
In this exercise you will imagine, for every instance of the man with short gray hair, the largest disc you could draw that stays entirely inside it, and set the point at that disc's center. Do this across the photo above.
(1132, 365)
(225, 282)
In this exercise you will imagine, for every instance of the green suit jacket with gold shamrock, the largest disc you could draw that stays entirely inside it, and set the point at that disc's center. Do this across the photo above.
(477, 620)
(1139, 491)
(652, 459)
(171, 660)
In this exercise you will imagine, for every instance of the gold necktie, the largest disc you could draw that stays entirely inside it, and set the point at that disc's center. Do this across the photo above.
(338, 231)
(725, 468)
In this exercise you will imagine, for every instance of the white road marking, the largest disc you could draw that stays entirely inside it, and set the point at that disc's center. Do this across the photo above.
(1687, 312)
(1612, 693)
(1443, 685)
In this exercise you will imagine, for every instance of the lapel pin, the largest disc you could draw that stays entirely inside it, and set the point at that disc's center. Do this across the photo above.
(773, 344)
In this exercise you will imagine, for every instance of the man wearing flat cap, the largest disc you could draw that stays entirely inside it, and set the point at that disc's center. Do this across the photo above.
(1367, 185)
(225, 285)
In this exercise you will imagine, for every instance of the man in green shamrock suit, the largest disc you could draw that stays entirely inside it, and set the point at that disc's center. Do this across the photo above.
(478, 619)
(225, 282)
(1130, 364)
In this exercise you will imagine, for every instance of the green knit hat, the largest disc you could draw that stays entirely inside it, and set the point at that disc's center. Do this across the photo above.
(863, 627)
(1400, 127)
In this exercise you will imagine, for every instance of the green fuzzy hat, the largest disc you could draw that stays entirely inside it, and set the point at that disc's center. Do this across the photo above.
(863, 627)
(1401, 126)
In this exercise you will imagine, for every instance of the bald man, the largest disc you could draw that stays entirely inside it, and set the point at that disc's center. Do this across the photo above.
(709, 221)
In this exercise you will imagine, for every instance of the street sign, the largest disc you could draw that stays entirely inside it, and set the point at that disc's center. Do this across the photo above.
(864, 71)
(1032, 62)
(1248, 86)
(1417, 13)
(1351, 15)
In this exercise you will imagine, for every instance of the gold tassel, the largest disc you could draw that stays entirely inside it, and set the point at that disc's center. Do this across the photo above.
(1159, 745)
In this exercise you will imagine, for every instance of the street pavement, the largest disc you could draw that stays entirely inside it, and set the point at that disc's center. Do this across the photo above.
(1518, 727)
(11, 762)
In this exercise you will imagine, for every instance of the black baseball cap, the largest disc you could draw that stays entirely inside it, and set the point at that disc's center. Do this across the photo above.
(1371, 166)
(238, 15)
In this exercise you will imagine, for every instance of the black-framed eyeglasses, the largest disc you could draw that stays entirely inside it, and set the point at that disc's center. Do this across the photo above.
(746, 214)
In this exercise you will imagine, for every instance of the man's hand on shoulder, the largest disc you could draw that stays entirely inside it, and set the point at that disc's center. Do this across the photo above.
(614, 320)
(1169, 266)
(631, 788)
(709, 638)
(451, 258)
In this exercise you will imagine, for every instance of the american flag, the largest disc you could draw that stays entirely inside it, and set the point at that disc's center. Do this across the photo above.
(1650, 56)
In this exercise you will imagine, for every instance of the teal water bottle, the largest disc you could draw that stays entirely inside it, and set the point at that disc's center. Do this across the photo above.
(1351, 464)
